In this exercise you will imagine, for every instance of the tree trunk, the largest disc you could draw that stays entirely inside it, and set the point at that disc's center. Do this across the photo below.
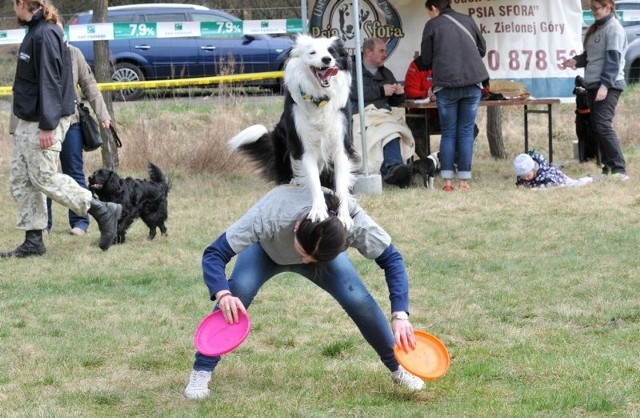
(494, 132)
(103, 70)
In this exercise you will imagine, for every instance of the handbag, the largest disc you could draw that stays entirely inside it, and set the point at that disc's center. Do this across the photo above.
(91, 138)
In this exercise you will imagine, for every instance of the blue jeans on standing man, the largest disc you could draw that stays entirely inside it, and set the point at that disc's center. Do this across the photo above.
(457, 109)
(72, 163)
(337, 277)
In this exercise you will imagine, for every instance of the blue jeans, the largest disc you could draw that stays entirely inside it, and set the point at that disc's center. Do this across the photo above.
(337, 277)
(391, 156)
(457, 109)
(72, 163)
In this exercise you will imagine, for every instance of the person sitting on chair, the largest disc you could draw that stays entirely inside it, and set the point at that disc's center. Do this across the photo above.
(389, 140)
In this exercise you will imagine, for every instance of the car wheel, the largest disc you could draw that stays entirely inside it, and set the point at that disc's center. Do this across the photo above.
(124, 71)
(634, 72)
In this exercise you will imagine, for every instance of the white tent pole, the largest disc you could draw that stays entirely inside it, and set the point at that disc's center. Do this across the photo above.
(363, 134)
(303, 16)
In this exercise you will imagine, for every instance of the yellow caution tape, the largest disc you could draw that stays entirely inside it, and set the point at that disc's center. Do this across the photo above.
(200, 81)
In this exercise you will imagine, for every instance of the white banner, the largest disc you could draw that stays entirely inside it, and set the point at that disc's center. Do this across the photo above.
(93, 32)
(11, 36)
(526, 39)
(177, 29)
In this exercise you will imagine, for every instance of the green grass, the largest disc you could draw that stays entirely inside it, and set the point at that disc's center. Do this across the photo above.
(534, 293)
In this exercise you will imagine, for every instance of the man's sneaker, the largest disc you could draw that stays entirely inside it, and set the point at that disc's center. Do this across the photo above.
(406, 379)
(198, 387)
(77, 231)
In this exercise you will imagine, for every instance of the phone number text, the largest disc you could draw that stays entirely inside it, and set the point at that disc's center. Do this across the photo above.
(527, 59)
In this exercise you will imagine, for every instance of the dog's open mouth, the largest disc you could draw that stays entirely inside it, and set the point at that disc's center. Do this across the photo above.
(96, 186)
(324, 74)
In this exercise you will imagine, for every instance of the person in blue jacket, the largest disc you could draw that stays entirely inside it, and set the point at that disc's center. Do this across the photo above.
(275, 236)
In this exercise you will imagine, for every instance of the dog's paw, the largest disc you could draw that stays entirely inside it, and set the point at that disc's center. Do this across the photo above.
(298, 181)
(346, 220)
(318, 214)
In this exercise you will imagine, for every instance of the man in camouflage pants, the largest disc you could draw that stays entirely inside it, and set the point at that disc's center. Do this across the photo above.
(43, 99)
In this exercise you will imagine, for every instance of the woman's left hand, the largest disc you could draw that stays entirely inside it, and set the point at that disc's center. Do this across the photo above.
(601, 94)
(403, 334)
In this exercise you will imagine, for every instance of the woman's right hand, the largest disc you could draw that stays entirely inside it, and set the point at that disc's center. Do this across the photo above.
(230, 306)
(403, 335)
(570, 63)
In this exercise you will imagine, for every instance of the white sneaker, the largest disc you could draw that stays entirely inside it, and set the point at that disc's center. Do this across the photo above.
(77, 231)
(198, 387)
(406, 379)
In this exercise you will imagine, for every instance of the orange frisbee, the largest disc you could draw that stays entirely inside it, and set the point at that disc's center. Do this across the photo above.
(429, 360)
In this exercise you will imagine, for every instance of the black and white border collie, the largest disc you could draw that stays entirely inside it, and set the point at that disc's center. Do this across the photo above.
(427, 168)
(312, 144)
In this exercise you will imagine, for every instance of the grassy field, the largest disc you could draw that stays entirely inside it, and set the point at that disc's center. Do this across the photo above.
(536, 294)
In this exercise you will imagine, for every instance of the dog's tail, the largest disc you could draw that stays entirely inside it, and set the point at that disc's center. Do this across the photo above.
(246, 140)
(157, 176)
(267, 149)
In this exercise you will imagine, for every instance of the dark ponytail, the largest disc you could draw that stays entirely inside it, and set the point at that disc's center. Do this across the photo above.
(326, 239)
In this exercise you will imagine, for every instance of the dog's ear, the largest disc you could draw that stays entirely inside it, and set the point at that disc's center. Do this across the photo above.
(340, 53)
(299, 46)
(113, 183)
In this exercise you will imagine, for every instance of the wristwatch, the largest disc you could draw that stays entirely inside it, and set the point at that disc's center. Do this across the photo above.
(402, 316)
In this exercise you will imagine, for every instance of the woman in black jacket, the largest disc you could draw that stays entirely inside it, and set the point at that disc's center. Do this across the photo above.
(43, 100)
(453, 47)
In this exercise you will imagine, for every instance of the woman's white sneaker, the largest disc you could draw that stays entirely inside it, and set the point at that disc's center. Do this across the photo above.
(406, 379)
(198, 387)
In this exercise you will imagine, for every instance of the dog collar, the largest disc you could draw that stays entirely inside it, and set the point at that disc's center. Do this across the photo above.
(318, 101)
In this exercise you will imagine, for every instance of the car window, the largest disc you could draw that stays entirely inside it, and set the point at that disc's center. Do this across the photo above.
(120, 18)
(631, 13)
(208, 17)
(165, 17)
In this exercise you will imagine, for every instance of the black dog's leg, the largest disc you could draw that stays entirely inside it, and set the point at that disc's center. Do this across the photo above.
(123, 225)
(151, 220)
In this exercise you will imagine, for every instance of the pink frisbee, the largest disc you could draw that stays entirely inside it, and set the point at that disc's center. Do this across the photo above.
(214, 337)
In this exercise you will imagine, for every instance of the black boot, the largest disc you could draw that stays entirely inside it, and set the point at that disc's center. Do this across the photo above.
(32, 245)
(106, 215)
(399, 175)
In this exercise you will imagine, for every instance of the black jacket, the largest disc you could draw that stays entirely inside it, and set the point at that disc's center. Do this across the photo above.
(373, 90)
(446, 49)
(43, 87)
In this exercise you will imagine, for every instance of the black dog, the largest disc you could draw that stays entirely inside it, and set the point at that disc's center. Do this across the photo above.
(587, 140)
(144, 199)
(427, 169)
